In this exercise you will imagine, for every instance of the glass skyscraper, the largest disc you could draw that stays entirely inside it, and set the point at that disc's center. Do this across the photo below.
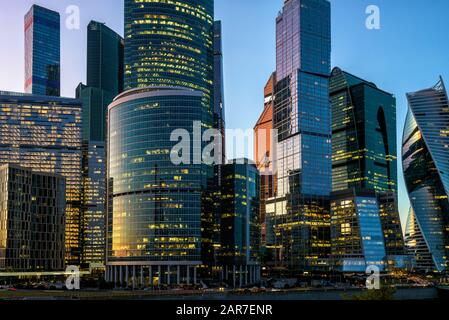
(219, 102)
(302, 114)
(363, 134)
(105, 50)
(170, 43)
(155, 206)
(43, 133)
(426, 168)
(42, 52)
(240, 223)
(364, 160)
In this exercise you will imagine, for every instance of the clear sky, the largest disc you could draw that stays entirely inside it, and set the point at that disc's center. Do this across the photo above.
(408, 53)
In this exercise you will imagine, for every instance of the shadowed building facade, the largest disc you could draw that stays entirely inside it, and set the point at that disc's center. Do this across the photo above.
(240, 223)
(32, 210)
(425, 157)
(364, 167)
(42, 52)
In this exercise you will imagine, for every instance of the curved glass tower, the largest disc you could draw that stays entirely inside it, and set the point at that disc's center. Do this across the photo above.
(425, 156)
(155, 206)
(169, 43)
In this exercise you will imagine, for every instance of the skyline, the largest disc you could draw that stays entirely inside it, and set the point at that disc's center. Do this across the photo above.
(388, 57)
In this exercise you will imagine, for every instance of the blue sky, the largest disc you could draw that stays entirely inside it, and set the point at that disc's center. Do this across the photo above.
(408, 53)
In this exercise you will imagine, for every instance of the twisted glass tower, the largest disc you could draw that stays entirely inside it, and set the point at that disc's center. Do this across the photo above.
(425, 156)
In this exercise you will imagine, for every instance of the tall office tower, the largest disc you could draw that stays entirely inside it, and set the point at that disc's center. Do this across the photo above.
(93, 242)
(160, 211)
(155, 202)
(219, 123)
(240, 223)
(301, 114)
(105, 50)
(219, 105)
(33, 228)
(363, 161)
(42, 52)
(363, 135)
(416, 245)
(43, 133)
(426, 168)
(170, 44)
(104, 58)
(263, 153)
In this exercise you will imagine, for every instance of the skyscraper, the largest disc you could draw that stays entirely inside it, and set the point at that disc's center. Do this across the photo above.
(426, 168)
(105, 50)
(219, 103)
(363, 134)
(42, 52)
(240, 223)
(170, 44)
(157, 209)
(363, 166)
(104, 78)
(301, 114)
(43, 133)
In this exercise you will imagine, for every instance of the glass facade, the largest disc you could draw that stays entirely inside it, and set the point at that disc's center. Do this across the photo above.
(219, 105)
(364, 158)
(356, 231)
(94, 203)
(170, 43)
(416, 245)
(301, 114)
(105, 50)
(42, 52)
(240, 220)
(426, 167)
(155, 207)
(363, 135)
(32, 207)
(44, 134)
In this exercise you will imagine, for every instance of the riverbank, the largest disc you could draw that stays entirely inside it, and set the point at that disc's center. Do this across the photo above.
(416, 293)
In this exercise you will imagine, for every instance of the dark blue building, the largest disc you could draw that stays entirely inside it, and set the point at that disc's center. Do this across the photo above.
(42, 52)
(240, 223)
